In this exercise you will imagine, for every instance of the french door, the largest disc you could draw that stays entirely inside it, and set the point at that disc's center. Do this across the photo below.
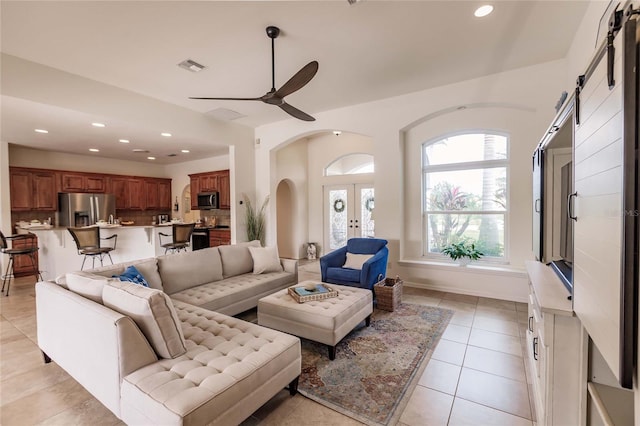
(348, 213)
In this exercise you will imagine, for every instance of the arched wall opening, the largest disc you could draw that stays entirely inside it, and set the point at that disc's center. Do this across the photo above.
(301, 162)
(286, 219)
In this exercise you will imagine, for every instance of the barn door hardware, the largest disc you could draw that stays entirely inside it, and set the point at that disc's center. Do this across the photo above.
(579, 84)
(615, 23)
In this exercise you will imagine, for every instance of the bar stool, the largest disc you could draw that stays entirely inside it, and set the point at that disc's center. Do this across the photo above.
(180, 239)
(88, 244)
(27, 246)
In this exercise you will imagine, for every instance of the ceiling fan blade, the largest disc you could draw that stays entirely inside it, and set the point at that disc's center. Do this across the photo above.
(295, 112)
(230, 99)
(299, 79)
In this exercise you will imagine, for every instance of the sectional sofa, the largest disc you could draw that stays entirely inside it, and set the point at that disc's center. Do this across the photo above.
(170, 353)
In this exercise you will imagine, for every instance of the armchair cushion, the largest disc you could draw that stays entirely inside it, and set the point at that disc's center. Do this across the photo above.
(355, 261)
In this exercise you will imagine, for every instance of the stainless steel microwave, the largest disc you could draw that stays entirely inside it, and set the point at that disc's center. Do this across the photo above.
(208, 200)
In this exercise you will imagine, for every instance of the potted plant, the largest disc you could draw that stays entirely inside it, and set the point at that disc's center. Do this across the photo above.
(464, 252)
(255, 220)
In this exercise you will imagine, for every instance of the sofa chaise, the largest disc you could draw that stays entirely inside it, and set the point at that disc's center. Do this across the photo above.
(170, 353)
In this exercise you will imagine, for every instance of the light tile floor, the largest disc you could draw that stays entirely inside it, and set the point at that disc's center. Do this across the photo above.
(476, 375)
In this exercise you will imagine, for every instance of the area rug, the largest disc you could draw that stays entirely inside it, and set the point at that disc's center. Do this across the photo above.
(376, 367)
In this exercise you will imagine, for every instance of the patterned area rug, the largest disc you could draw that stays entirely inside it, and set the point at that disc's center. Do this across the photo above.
(376, 367)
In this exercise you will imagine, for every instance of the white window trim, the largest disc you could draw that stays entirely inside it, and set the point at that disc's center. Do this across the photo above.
(468, 165)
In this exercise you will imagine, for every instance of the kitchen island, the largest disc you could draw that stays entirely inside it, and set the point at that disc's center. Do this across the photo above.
(57, 253)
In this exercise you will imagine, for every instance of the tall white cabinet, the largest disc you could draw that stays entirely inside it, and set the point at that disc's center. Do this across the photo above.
(556, 352)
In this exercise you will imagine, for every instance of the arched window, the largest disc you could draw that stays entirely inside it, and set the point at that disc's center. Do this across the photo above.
(465, 192)
(350, 164)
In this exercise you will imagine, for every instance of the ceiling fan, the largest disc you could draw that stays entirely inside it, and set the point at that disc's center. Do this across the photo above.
(276, 97)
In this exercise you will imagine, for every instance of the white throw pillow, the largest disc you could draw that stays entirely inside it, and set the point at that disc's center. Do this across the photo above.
(86, 285)
(265, 259)
(152, 311)
(355, 261)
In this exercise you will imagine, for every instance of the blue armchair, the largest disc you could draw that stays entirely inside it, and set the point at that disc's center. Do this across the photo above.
(331, 264)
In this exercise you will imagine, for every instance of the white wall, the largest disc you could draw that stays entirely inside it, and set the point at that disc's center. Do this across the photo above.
(532, 91)
(292, 166)
(26, 157)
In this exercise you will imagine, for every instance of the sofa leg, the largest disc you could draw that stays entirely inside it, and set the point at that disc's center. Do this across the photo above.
(332, 352)
(293, 386)
(47, 360)
(367, 321)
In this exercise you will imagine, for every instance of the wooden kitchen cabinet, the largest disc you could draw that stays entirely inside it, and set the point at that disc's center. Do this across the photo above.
(23, 265)
(194, 189)
(219, 237)
(164, 194)
(211, 182)
(45, 196)
(224, 189)
(32, 190)
(158, 194)
(129, 193)
(83, 182)
(135, 188)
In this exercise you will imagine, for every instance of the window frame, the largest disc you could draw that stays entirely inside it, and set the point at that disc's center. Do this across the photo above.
(468, 165)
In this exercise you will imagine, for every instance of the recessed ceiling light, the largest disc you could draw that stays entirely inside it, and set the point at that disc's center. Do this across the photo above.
(151, 158)
(165, 134)
(41, 131)
(94, 150)
(483, 10)
(124, 140)
(186, 151)
(97, 125)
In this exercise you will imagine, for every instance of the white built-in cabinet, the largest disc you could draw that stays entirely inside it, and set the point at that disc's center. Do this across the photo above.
(556, 353)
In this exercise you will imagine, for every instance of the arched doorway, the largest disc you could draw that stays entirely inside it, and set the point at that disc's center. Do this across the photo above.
(286, 220)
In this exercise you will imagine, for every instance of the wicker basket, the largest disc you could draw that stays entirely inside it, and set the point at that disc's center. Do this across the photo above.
(388, 293)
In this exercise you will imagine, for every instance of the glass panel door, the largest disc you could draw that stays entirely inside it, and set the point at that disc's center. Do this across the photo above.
(348, 214)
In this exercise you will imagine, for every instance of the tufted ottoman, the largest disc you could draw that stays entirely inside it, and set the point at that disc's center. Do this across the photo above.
(326, 321)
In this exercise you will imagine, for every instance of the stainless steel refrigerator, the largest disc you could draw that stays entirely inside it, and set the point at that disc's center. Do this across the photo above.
(77, 209)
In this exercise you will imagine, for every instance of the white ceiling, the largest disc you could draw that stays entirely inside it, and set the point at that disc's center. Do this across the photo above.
(368, 51)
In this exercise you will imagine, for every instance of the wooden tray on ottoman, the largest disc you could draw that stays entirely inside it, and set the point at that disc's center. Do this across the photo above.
(388, 293)
(302, 294)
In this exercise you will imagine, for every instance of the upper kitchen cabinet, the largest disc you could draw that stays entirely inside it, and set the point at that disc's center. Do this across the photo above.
(129, 193)
(224, 186)
(136, 193)
(158, 194)
(33, 190)
(83, 182)
(211, 182)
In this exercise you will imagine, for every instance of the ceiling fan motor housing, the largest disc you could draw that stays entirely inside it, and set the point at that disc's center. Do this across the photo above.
(273, 32)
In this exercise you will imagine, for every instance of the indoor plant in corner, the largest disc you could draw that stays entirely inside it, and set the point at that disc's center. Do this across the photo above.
(463, 252)
(255, 219)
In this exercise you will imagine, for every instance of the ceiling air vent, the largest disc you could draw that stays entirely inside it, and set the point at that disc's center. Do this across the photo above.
(224, 114)
(191, 65)
(172, 155)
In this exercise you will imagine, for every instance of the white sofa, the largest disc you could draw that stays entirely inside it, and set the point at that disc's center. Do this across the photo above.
(171, 357)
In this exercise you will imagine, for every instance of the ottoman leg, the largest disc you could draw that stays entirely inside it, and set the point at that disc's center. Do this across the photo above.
(332, 352)
(367, 321)
(293, 386)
